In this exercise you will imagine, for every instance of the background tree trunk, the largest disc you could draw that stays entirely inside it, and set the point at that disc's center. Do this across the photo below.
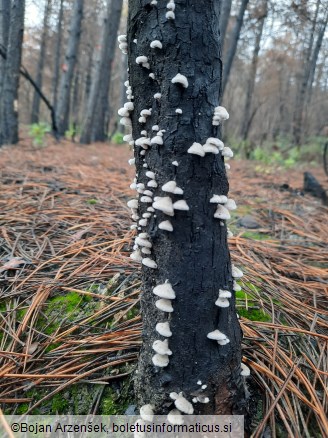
(194, 258)
(42, 55)
(68, 70)
(57, 54)
(4, 33)
(233, 44)
(224, 20)
(9, 103)
(96, 123)
(252, 76)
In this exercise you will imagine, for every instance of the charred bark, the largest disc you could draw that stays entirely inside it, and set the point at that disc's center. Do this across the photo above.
(70, 61)
(9, 103)
(194, 257)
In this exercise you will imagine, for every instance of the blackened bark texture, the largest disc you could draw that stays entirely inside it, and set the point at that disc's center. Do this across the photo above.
(68, 70)
(41, 61)
(234, 42)
(224, 20)
(96, 124)
(246, 123)
(9, 102)
(194, 258)
(57, 54)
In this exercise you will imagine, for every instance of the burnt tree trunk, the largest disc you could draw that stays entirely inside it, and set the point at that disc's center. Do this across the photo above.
(251, 80)
(68, 71)
(42, 55)
(57, 54)
(96, 123)
(235, 34)
(9, 101)
(194, 257)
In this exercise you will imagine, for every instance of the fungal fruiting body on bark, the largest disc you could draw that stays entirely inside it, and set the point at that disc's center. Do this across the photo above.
(169, 203)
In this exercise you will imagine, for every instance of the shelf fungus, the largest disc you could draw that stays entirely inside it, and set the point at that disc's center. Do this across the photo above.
(181, 205)
(222, 213)
(164, 204)
(175, 417)
(156, 44)
(245, 371)
(218, 199)
(162, 347)
(171, 187)
(196, 149)
(180, 79)
(147, 412)
(236, 272)
(164, 305)
(222, 302)
(149, 263)
(163, 328)
(160, 360)
(166, 226)
(216, 335)
(164, 290)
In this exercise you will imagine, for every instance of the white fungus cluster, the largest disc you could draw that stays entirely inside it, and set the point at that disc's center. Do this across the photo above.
(181, 403)
(218, 336)
(144, 114)
(220, 114)
(123, 44)
(212, 145)
(170, 15)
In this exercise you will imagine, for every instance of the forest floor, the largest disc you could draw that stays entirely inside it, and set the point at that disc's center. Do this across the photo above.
(69, 320)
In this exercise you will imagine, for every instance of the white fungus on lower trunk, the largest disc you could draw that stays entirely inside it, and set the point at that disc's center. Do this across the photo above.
(181, 205)
(162, 347)
(147, 412)
(164, 305)
(184, 405)
(224, 294)
(164, 290)
(218, 199)
(227, 152)
(163, 328)
(160, 360)
(216, 335)
(174, 417)
(236, 272)
(245, 371)
(149, 263)
(222, 302)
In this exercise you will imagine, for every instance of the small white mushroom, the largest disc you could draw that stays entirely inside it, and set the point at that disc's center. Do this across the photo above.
(162, 347)
(224, 294)
(150, 174)
(163, 328)
(175, 417)
(196, 149)
(142, 119)
(164, 305)
(169, 186)
(164, 204)
(145, 112)
(160, 360)
(199, 382)
(146, 251)
(148, 193)
(133, 203)
(227, 152)
(209, 148)
(221, 113)
(141, 59)
(204, 386)
(184, 405)
(222, 302)
(152, 183)
(151, 75)
(129, 106)
(171, 5)
(153, 2)
(229, 234)
(149, 263)
(166, 226)
(147, 412)
(151, 209)
(123, 112)
(156, 44)
(236, 273)
(218, 199)
(222, 213)
(216, 335)
(223, 341)
(155, 128)
(245, 371)
(143, 222)
(121, 39)
(157, 95)
(178, 111)
(136, 256)
(203, 399)
(181, 205)
(215, 142)
(157, 140)
(236, 287)
(170, 15)
(146, 199)
(164, 290)
(127, 137)
(230, 204)
(125, 121)
(140, 241)
(175, 163)
(180, 79)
